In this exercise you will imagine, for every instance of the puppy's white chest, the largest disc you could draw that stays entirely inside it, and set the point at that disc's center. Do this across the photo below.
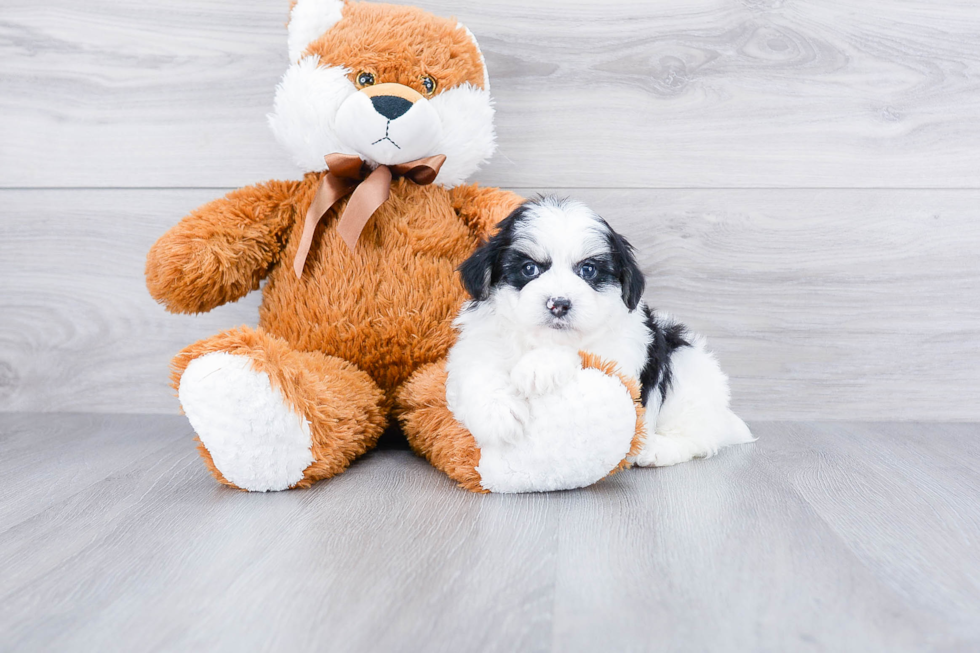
(627, 347)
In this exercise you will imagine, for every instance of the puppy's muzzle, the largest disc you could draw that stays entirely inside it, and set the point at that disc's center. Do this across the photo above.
(558, 306)
(392, 100)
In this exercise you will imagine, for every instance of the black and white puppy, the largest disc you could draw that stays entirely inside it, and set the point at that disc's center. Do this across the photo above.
(556, 279)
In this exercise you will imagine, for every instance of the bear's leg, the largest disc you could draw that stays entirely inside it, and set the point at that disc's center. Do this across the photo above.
(433, 432)
(269, 417)
(577, 434)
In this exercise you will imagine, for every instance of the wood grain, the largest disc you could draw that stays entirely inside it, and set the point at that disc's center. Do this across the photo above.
(713, 93)
(818, 537)
(834, 304)
(724, 554)
(881, 470)
(46, 460)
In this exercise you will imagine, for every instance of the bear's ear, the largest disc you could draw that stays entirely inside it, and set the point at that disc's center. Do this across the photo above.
(483, 61)
(308, 20)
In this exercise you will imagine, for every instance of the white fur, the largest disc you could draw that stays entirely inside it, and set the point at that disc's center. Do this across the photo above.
(255, 439)
(318, 111)
(514, 378)
(306, 105)
(486, 73)
(308, 20)
(581, 430)
(544, 370)
(468, 136)
(694, 419)
(376, 138)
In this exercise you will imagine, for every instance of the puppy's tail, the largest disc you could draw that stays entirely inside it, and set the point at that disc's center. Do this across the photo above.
(734, 431)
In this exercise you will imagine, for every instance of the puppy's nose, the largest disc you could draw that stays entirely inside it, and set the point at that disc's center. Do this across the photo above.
(390, 106)
(558, 306)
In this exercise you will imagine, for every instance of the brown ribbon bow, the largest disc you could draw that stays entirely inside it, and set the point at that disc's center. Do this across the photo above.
(346, 173)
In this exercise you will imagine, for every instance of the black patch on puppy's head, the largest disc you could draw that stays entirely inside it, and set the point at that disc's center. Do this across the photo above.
(622, 262)
(484, 268)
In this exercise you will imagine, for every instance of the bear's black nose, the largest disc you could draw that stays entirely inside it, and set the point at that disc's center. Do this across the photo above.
(390, 106)
(558, 306)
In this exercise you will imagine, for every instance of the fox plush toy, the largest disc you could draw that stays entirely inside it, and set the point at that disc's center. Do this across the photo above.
(387, 109)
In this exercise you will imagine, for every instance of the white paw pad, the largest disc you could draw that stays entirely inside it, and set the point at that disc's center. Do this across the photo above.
(576, 435)
(544, 370)
(662, 451)
(255, 439)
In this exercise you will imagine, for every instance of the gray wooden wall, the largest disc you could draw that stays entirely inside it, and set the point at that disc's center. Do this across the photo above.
(802, 180)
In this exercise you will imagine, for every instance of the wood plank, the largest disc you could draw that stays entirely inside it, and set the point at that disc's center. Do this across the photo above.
(902, 507)
(821, 304)
(724, 554)
(843, 304)
(384, 554)
(48, 459)
(79, 331)
(615, 94)
(819, 536)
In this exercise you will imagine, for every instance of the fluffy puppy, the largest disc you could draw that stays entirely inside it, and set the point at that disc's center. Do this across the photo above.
(554, 280)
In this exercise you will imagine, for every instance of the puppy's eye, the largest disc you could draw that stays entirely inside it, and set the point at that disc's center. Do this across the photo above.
(429, 85)
(587, 271)
(529, 269)
(365, 79)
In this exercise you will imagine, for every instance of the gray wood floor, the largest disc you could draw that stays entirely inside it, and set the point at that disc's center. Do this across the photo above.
(820, 536)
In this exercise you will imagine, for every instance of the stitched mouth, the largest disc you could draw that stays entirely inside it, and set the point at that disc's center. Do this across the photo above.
(386, 137)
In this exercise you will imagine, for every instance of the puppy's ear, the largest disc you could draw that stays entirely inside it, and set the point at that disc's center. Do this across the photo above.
(630, 276)
(482, 269)
(477, 271)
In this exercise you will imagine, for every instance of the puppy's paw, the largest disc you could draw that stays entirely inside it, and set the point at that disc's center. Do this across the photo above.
(502, 420)
(662, 451)
(576, 436)
(544, 370)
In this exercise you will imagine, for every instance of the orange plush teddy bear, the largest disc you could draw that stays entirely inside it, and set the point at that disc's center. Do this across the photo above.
(388, 109)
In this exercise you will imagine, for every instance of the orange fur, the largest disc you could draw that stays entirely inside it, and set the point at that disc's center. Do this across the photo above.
(482, 209)
(400, 44)
(221, 251)
(344, 406)
(385, 309)
(339, 342)
(433, 432)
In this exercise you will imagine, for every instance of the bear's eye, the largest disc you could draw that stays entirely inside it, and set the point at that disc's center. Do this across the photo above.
(587, 271)
(429, 85)
(365, 79)
(529, 269)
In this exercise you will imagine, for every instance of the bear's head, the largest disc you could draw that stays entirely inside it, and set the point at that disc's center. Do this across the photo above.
(388, 83)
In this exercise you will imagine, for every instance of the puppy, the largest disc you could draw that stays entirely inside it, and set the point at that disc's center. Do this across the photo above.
(556, 279)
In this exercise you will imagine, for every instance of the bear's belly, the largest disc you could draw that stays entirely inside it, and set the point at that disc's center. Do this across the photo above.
(387, 307)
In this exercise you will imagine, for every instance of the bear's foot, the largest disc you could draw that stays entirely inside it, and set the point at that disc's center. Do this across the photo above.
(269, 417)
(256, 441)
(577, 434)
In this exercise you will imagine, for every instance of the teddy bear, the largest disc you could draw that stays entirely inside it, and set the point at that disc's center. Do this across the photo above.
(387, 109)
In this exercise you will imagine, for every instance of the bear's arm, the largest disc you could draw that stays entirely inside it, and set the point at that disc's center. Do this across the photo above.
(481, 209)
(222, 250)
